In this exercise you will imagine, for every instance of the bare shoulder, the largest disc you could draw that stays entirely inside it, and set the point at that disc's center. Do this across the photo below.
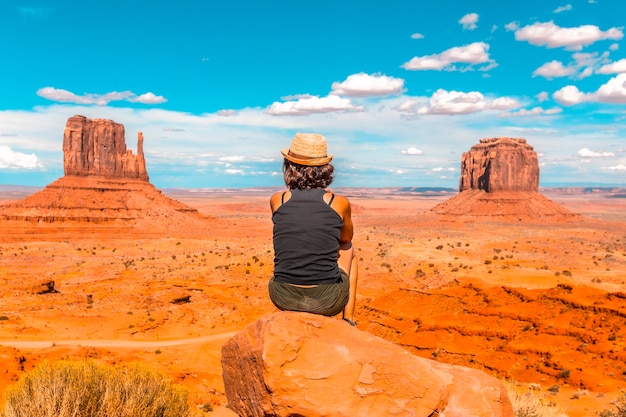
(277, 199)
(340, 203)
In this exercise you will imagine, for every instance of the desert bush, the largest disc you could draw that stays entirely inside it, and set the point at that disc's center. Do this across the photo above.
(86, 388)
(620, 408)
(529, 402)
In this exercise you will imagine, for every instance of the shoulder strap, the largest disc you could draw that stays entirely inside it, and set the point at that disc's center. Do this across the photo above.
(332, 197)
(282, 198)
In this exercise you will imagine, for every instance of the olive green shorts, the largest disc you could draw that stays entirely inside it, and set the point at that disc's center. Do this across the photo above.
(324, 299)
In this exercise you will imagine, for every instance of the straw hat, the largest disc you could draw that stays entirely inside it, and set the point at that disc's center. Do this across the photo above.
(308, 149)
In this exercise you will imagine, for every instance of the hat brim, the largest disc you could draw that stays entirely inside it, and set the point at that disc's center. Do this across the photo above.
(314, 162)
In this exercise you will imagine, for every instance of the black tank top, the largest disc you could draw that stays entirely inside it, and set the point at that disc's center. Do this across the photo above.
(306, 239)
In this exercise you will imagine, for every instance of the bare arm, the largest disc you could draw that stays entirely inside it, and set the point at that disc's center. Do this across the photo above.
(342, 206)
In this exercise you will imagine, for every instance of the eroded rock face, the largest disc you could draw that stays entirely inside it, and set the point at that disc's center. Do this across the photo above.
(98, 147)
(299, 364)
(500, 164)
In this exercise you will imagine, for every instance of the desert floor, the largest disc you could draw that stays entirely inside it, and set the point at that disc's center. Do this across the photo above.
(538, 302)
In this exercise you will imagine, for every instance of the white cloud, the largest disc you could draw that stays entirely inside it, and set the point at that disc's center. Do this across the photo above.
(417, 36)
(12, 159)
(227, 113)
(312, 105)
(469, 21)
(587, 153)
(553, 69)
(619, 167)
(510, 27)
(148, 98)
(614, 67)
(535, 111)
(65, 96)
(474, 54)
(575, 38)
(543, 96)
(614, 91)
(457, 102)
(562, 9)
(569, 95)
(412, 151)
(365, 85)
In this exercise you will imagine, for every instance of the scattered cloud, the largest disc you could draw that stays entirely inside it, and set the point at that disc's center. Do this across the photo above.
(511, 27)
(569, 95)
(566, 8)
(616, 67)
(417, 36)
(457, 102)
(412, 151)
(227, 113)
(613, 91)
(535, 111)
(11, 159)
(586, 153)
(553, 69)
(469, 21)
(619, 167)
(473, 54)
(552, 36)
(364, 85)
(147, 98)
(64, 96)
(312, 105)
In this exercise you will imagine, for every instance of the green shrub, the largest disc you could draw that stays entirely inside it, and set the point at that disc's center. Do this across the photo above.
(86, 388)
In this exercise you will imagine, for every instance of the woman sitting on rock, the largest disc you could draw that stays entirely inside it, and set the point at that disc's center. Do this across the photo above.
(315, 268)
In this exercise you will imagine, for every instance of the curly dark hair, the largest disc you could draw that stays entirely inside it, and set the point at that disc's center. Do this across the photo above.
(303, 177)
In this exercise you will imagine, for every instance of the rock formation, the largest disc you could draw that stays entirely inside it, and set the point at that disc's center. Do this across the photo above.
(98, 148)
(104, 183)
(299, 364)
(500, 178)
(500, 164)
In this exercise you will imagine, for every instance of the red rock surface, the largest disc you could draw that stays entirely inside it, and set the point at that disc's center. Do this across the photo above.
(517, 319)
(299, 364)
(98, 147)
(500, 164)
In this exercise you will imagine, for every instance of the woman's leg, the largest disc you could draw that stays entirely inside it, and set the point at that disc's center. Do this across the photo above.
(347, 262)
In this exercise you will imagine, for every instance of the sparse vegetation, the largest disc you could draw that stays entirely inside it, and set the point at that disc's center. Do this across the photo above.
(86, 388)
(528, 402)
(620, 408)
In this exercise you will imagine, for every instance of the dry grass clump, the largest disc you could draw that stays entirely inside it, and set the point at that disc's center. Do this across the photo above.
(529, 402)
(85, 388)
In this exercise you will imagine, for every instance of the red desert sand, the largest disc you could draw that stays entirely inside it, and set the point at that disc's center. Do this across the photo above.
(540, 302)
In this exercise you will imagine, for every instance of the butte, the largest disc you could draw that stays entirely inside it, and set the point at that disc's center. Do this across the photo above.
(104, 184)
(500, 179)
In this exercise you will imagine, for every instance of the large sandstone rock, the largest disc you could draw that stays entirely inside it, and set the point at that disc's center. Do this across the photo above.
(500, 164)
(299, 364)
(98, 147)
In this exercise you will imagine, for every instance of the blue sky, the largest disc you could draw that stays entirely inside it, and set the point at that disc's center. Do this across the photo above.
(399, 88)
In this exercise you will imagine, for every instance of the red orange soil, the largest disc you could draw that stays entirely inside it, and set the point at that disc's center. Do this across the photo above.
(540, 303)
